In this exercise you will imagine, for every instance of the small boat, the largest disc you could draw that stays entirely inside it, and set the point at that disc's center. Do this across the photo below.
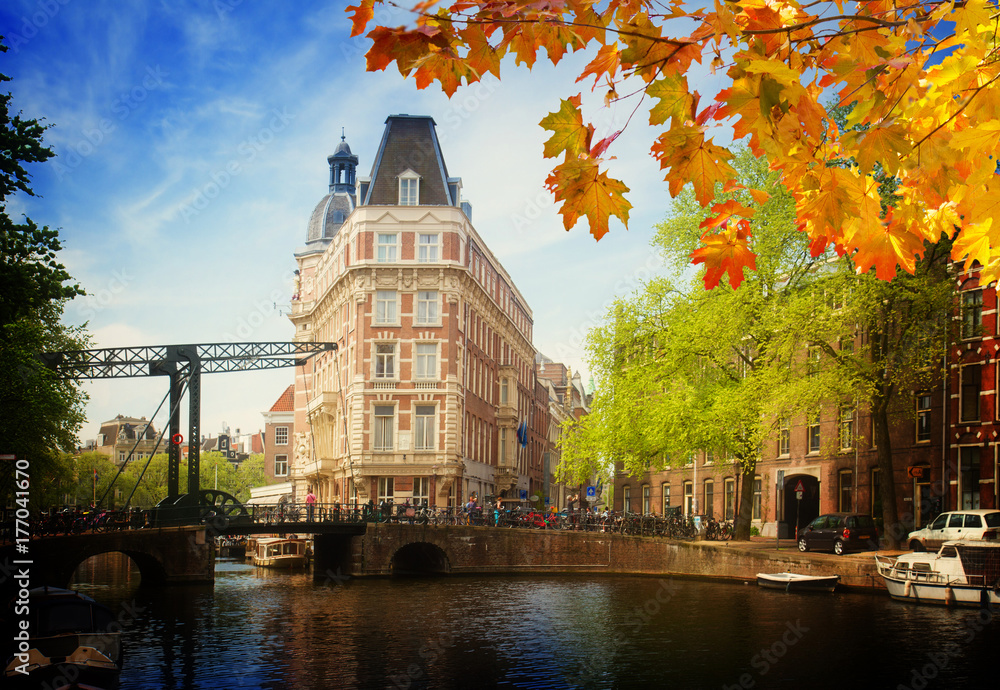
(73, 638)
(278, 552)
(796, 582)
(964, 573)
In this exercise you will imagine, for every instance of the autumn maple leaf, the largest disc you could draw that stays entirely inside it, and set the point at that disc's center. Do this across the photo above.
(725, 252)
(586, 191)
(569, 134)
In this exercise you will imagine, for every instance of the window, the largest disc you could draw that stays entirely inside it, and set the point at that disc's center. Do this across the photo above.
(847, 345)
(280, 465)
(688, 498)
(421, 490)
(709, 457)
(409, 189)
(707, 509)
(385, 306)
(121, 457)
(383, 427)
(427, 248)
(424, 427)
(756, 498)
(923, 417)
(972, 314)
(503, 445)
(385, 360)
(386, 487)
(968, 477)
(784, 436)
(665, 489)
(281, 435)
(730, 496)
(846, 428)
(813, 432)
(812, 361)
(876, 497)
(626, 498)
(845, 491)
(386, 250)
(426, 361)
(969, 403)
(427, 307)
(503, 391)
(646, 499)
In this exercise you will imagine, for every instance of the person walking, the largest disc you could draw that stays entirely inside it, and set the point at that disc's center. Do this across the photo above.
(310, 504)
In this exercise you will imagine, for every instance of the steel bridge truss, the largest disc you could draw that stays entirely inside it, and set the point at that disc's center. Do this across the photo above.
(183, 365)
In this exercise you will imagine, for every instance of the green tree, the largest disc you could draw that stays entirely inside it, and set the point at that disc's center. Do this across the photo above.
(41, 414)
(682, 370)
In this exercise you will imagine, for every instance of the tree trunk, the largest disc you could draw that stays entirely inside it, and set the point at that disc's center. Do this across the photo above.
(741, 530)
(893, 531)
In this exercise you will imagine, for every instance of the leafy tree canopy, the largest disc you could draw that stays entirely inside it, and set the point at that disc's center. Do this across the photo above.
(924, 76)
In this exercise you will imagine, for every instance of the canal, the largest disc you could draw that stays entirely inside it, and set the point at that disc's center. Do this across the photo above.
(259, 628)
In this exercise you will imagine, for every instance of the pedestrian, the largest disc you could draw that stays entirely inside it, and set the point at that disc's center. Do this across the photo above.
(310, 504)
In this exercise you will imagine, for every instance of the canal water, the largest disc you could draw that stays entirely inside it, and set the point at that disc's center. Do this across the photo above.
(260, 628)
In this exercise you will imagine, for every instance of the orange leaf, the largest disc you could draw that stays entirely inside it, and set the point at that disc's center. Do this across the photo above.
(690, 158)
(606, 62)
(886, 246)
(676, 103)
(363, 14)
(725, 252)
(482, 57)
(724, 212)
(446, 69)
(586, 191)
(569, 134)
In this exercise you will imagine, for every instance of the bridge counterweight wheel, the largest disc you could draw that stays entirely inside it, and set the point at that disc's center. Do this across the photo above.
(216, 503)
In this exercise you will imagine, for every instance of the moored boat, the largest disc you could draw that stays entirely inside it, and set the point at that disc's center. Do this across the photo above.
(73, 639)
(964, 573)
(278, 552)
(796, 582)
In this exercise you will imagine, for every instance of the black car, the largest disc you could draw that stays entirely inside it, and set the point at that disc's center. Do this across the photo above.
(839, 532)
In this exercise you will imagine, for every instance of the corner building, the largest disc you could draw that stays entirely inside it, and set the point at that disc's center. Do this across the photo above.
(434, 371)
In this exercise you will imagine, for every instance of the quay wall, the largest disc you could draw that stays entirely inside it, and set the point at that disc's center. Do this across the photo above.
(483, 550)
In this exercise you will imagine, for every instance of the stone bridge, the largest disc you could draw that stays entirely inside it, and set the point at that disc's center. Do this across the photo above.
(171, 555)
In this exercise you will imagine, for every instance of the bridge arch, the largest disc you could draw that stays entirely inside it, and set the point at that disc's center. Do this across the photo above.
(151, 568)
(420, 558)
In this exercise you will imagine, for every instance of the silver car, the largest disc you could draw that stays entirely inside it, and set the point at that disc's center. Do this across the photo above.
(981, 523)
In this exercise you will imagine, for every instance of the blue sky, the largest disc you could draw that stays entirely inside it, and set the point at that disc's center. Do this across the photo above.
(191, 142)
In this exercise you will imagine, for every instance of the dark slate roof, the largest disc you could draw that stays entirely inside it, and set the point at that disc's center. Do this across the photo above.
(409, 142)
(328, 216)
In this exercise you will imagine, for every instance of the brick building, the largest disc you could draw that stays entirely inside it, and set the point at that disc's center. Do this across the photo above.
(279, 430)
(434, 373)
(944, 441)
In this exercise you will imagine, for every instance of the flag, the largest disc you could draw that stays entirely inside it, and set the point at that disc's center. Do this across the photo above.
(522, 434)
(95, 475)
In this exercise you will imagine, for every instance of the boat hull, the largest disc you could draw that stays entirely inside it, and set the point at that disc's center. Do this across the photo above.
(281, 562)
(941, 594)
(789, 582)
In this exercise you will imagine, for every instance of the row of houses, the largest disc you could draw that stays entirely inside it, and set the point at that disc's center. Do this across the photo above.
(944, 448)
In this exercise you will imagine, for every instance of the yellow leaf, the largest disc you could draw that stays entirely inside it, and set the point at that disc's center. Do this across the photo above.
(675, 101)
(586, 191)
(569, 134)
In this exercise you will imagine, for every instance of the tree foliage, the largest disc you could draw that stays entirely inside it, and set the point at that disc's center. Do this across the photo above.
(41, 414)
(924, 76)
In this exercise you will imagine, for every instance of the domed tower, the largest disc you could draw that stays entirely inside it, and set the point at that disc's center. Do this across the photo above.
(333, 209)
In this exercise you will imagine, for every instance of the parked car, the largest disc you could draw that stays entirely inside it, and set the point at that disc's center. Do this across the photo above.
(980, 523)
(839, 532)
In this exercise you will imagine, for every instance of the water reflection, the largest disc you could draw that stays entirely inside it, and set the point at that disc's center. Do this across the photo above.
(270, 629)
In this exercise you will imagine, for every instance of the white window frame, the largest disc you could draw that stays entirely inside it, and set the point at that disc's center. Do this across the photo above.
(813, 423)
(421, 490)
(386, 247)
(386, 308)
(409, 189)
(383, 431)
(425, 361)
(428, 247)
(386, 489)
(281, 465)
(923, 413)
(281, 435)
(784, 437)
(424, 427)
(846, 428)
(384, 363)
(427, 308)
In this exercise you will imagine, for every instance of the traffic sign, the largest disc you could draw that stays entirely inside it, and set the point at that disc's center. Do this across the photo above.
(798, 495)
(800, 487)
(915, 472)
(591, 492)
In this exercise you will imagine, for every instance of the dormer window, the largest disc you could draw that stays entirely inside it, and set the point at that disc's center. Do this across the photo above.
(409, 188)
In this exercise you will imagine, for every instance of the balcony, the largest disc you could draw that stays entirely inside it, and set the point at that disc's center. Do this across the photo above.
(383, 385)
(425, 385)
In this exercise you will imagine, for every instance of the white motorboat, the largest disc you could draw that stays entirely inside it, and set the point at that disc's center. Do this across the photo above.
(965, 573)
(796, 582)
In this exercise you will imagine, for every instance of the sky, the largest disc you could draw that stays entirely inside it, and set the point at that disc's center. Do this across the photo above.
(191, 142)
